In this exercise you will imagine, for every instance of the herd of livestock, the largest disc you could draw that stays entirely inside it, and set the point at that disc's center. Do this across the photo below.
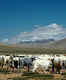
(33, 62)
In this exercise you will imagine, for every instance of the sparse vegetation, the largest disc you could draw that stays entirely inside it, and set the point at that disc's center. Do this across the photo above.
(30, 76)
(4, 71)
(16, 50)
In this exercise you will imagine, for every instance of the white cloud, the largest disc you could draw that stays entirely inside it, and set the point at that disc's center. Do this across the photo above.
(52, 31)
(5, 40)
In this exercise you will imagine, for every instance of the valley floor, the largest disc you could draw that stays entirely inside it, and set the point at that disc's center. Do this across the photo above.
(20, 76)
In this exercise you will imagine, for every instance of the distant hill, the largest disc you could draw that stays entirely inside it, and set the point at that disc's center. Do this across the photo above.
(59, 44)
(43, 41)
(50, 43)
(51, 47)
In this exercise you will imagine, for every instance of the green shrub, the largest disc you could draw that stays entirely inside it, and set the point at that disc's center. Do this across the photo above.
(4, 71)
(64, 73)
(20, 78)
(37, 75)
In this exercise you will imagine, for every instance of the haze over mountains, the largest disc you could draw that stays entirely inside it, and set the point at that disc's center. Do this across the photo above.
(43, 41)
(49, 36)
(60, 44)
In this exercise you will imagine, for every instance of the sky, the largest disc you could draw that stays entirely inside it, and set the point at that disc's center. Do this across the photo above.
(19, 18)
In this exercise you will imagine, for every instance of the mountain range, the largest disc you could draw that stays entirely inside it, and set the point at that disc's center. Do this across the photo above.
(47, 43)
(38, 41)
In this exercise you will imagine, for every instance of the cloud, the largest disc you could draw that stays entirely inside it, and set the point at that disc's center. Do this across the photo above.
(5, 40)
(52, 31)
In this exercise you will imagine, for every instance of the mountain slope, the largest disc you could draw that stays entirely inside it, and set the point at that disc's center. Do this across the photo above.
(43, 41)
(59, 44)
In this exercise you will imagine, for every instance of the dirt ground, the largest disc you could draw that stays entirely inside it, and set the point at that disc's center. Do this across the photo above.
(13, 75)
(9, 76)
